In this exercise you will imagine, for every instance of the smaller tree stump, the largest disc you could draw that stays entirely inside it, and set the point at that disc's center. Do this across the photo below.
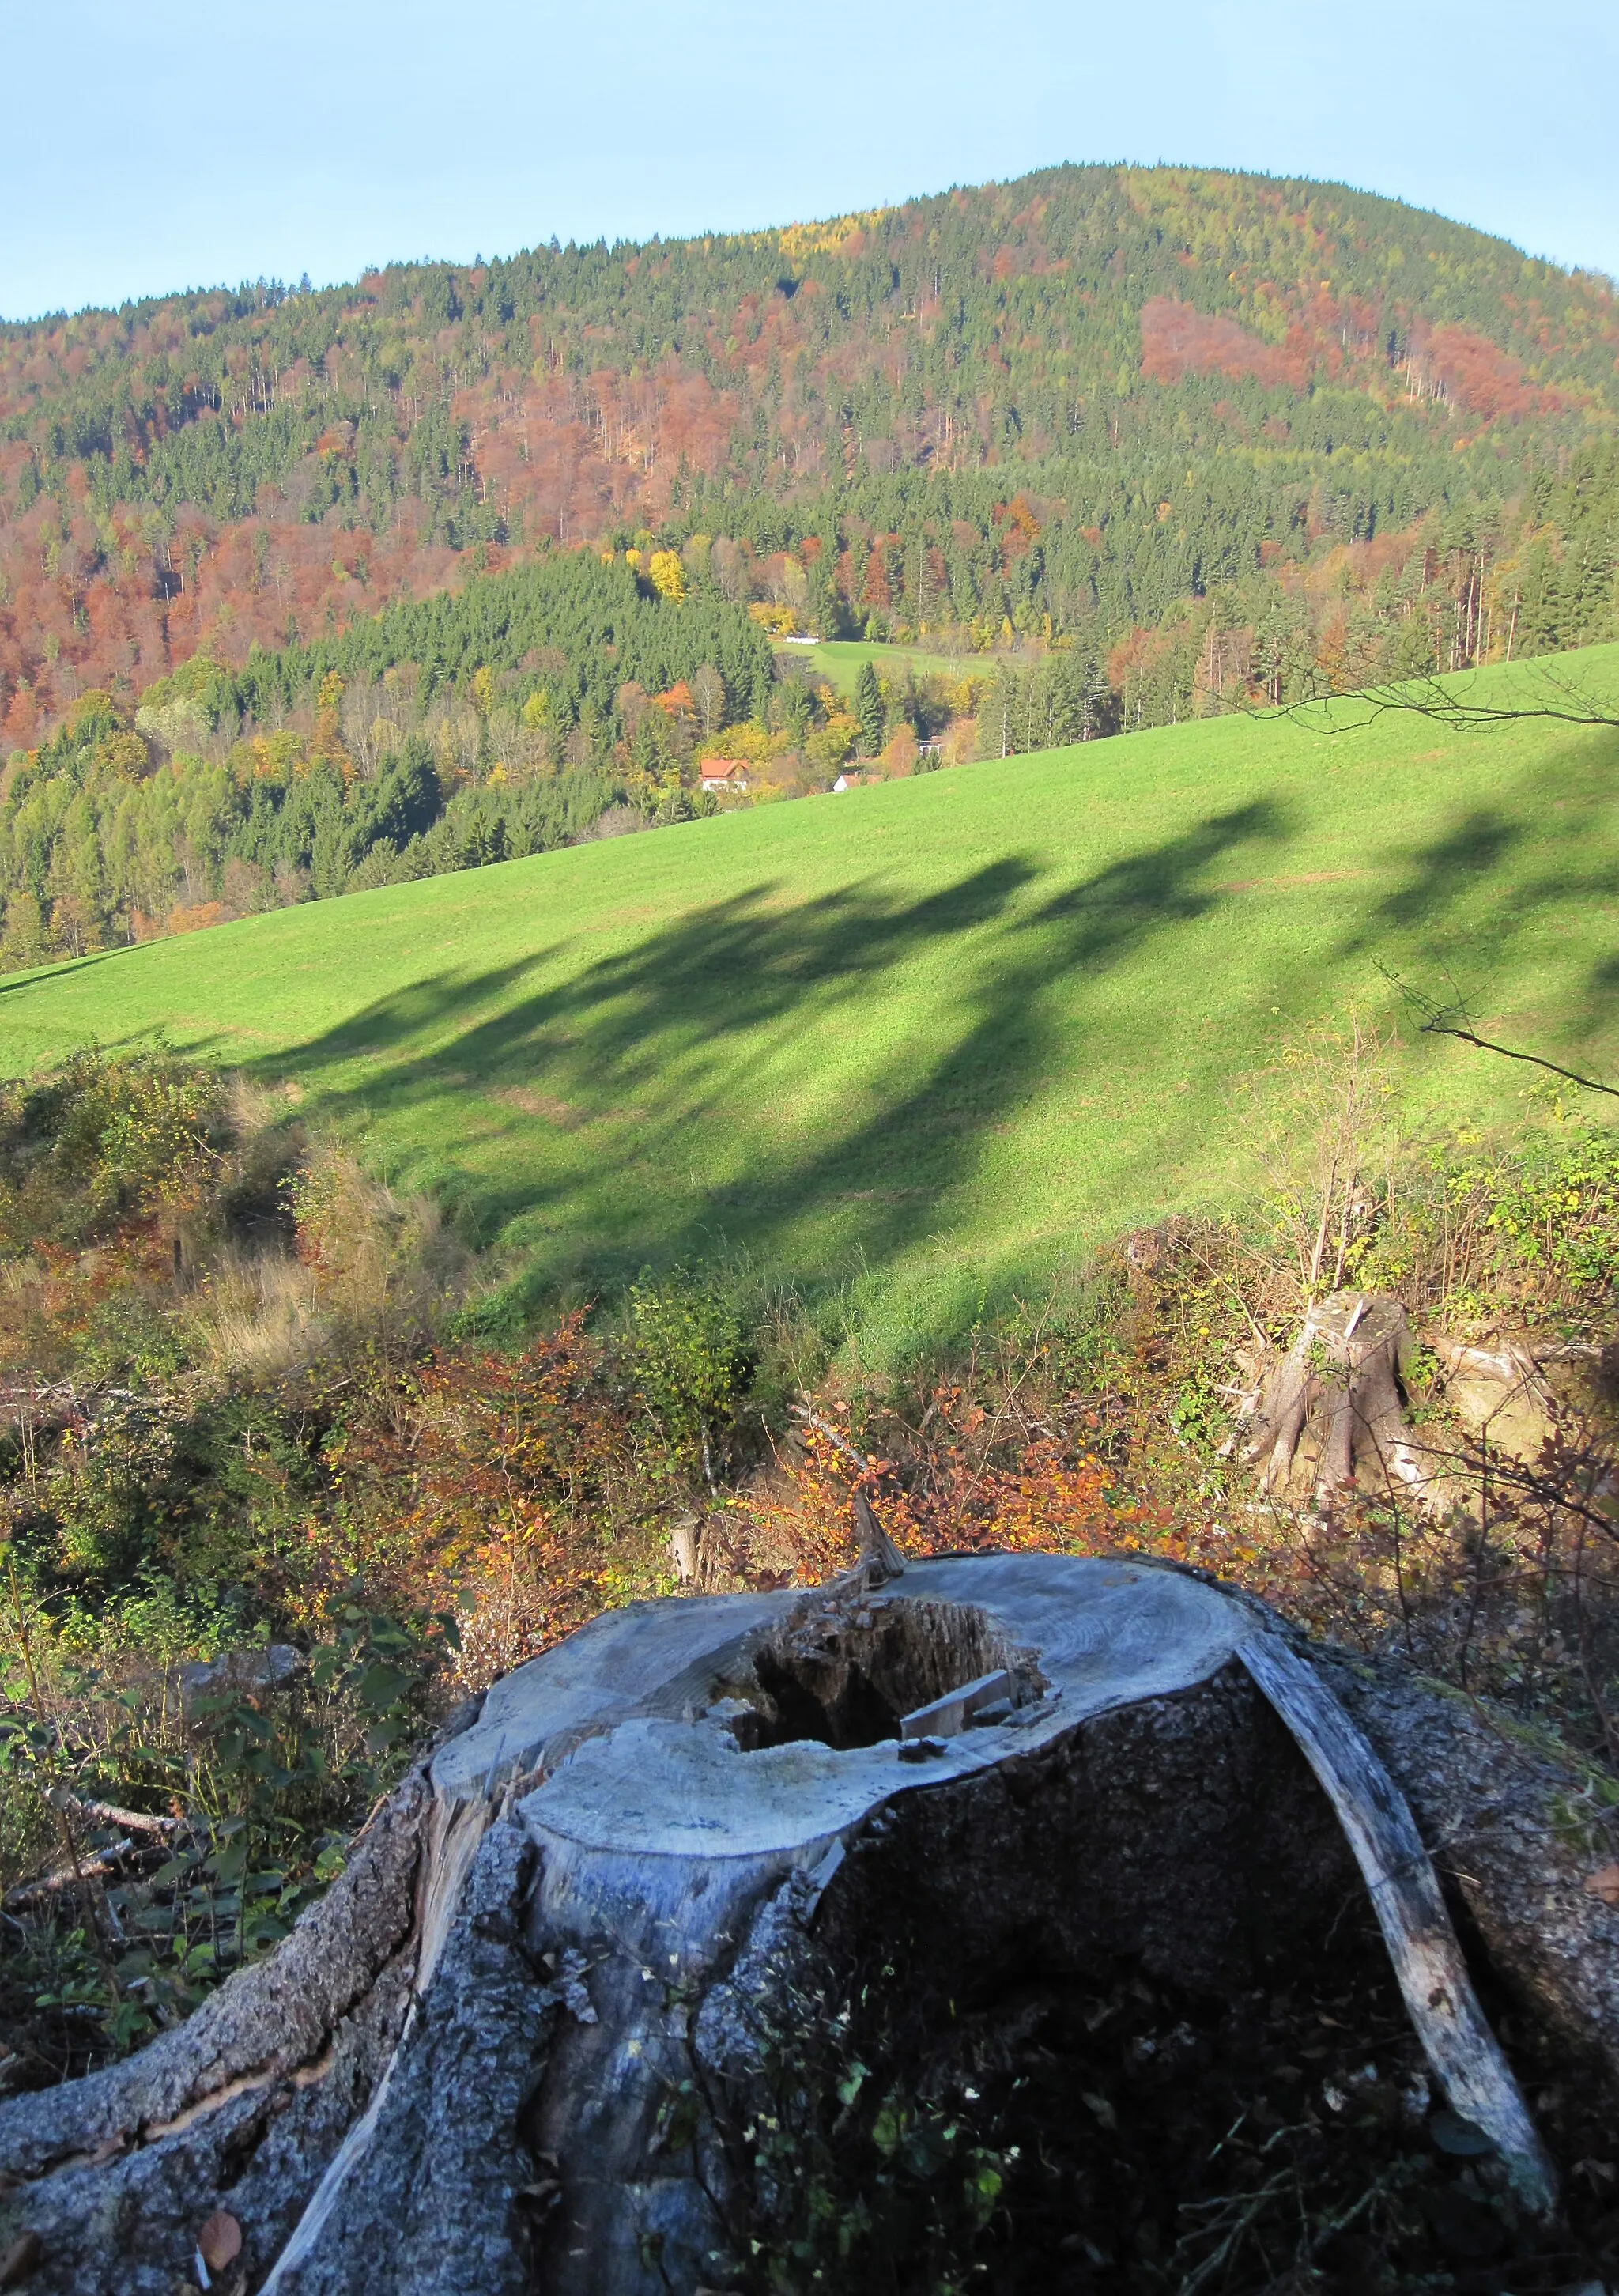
(1331, 1409)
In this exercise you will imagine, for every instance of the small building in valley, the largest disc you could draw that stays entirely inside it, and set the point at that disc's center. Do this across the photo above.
(723, 775)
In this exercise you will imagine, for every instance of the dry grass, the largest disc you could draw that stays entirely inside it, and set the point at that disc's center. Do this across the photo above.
(260, 1316)
(360, 1263)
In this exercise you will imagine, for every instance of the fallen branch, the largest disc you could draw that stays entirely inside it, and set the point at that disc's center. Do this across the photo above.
(131, 1821)
(25, 1894)
(833, 1435)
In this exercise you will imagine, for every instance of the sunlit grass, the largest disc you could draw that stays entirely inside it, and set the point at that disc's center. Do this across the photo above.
(933, 1038)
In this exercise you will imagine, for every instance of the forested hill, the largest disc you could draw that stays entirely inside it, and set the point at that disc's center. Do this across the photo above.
(1101, 396)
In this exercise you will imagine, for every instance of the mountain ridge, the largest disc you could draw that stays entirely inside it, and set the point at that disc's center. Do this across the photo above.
(969, 411)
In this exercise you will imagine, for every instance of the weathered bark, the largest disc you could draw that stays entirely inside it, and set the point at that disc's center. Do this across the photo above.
(1329, 1414)
(245, 2102)
(460, 2073)
(1333, 1403)
(1492, 1802)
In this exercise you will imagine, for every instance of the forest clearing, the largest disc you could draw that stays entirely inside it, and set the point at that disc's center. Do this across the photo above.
(840, 659)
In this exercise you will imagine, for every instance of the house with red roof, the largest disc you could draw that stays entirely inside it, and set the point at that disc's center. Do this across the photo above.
(723, 775)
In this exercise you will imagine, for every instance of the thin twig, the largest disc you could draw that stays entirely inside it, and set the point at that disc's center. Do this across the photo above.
(1429, 697)
(1438, 1020)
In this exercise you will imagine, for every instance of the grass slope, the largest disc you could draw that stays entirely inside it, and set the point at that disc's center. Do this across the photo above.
(839, 659)
(945, 1033)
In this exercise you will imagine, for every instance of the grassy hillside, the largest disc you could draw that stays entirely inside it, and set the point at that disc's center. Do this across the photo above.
(839, 660)
(936, 1035)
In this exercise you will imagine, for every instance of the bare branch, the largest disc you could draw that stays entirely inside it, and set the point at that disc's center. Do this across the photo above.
(1551, 698)
(1436, 1019)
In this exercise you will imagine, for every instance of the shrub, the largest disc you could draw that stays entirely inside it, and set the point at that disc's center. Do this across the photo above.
(252, 1796)
(100, 1141)
(690, 1362)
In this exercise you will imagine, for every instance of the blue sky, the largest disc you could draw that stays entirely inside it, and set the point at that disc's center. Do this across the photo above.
(147, 149)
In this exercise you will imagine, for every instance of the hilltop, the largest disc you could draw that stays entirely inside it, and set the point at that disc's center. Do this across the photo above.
(937, 1037)
(1214, 429)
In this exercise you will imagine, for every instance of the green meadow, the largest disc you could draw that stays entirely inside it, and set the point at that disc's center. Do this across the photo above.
(932, 1039)
(839, 659)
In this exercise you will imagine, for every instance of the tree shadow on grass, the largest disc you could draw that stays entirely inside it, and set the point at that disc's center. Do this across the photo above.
(37, 977)
(1448, 869)
(718, 972)
(1476, 901)
(689, 1033)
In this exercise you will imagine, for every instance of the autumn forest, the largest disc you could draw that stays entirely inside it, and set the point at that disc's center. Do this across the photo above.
(307, 590)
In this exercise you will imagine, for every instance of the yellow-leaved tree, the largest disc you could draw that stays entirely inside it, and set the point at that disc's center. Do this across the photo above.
(666, 575)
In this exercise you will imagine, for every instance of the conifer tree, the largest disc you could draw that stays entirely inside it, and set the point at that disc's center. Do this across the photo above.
(869, 710)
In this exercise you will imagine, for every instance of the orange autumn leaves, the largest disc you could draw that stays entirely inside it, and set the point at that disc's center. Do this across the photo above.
(510, 1486)
(532, 1491)
(1052, 1500)
(986, 1488)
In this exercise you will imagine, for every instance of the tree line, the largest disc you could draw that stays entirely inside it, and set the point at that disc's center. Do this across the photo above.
(475, 726)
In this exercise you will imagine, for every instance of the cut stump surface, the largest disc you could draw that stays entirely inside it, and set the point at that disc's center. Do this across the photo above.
(511, 2050)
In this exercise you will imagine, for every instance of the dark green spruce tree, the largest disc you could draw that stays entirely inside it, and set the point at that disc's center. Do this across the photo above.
(869, 710)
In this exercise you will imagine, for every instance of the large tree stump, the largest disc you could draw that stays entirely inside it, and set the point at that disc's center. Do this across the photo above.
(517, 2044)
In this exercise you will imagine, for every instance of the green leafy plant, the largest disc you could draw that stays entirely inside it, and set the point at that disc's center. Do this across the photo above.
(262, 1789)
(689, 1359)
(843, 2175)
